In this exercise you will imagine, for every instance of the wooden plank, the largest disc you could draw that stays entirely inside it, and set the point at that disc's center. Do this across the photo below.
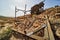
(37, 30)
(50, 33)
(37, 37)
(31, 36)
(46, 33)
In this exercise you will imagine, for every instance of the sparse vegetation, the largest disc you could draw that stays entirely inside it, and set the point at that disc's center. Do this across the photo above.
(5, 33)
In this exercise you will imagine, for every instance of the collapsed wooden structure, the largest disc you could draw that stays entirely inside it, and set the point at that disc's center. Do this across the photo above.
(32, 30)
(48, 34)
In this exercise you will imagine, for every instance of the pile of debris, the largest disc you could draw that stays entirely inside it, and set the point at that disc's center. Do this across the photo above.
(36, 24)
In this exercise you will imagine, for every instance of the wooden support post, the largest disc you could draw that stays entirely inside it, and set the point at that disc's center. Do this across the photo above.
(50, 33)
(45, 33)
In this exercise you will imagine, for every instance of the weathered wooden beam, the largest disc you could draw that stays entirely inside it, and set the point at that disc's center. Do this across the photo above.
(46, 33)
(50, 33)
(31, 36)
(37, 37)
(37, 30)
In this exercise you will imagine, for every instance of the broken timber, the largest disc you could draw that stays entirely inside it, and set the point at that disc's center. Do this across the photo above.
(31, 36)
(37, 30)
(50, 33)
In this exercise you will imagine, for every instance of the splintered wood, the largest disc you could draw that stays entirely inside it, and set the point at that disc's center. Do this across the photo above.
(50, 33)
(30, 25)
(38, 26)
